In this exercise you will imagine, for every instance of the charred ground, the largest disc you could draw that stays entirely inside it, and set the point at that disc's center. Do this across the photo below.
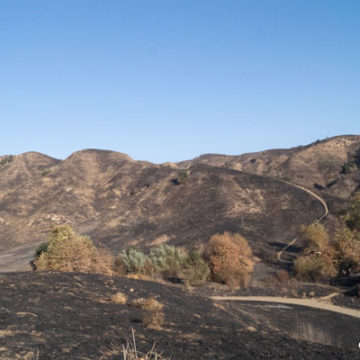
(64, 316)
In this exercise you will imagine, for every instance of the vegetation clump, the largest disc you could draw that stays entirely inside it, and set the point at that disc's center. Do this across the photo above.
(152, 314)
(46, 172)
(195, 270)
(347, 167)
(168, 260)
(131, 261)
(6, 159)
(347, 250)
(69, 251)
(317, 261)
(352, 217)
(230, 259)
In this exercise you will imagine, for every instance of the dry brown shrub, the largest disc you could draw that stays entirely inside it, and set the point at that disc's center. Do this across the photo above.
(119, 298)
(230, 259)
(152, 312)
(103, 262)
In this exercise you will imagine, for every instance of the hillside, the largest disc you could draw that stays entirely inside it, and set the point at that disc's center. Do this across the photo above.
(120, 202)
(317, 166)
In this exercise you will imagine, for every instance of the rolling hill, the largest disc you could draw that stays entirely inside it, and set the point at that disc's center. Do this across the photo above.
(119, 202)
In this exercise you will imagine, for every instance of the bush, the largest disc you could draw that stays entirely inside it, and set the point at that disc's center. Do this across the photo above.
(168, 260)
(151, 311)
(230, 259)
(318, 261)
(43, 247)
(353, 217)
(316, 238)
(347, 247)
(195, 270)
(69, 251)
(313, 267)
(131, 261)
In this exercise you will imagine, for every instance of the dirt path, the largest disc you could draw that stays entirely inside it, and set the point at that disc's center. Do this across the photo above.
(326, 211)
(293, 301)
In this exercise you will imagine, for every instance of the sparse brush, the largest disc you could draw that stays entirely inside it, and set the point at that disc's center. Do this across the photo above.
(130, 352)
(311, 333)
(119, 298)
(152, 314)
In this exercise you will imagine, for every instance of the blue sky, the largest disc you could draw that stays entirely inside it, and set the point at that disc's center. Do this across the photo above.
(170, 80)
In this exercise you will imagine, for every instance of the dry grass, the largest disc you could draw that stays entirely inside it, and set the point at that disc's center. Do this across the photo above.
(119, 298)
(130, 352)
(152, 313)
(308, 332)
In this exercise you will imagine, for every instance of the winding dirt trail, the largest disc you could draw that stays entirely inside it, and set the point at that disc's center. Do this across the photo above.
(326, 212)
(317, 304)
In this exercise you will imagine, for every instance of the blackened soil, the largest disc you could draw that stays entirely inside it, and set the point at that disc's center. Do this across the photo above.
(71, 316)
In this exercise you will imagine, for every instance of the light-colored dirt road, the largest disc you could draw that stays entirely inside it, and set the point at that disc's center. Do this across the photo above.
(326, 211)
(293, 301)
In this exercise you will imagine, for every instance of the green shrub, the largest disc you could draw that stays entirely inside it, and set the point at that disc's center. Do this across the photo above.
(168, 260)
(195, 270)
(40, 249)
(132, 260)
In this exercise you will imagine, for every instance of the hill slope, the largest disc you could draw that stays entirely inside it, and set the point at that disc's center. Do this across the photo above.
(317, 166)
(119, 201)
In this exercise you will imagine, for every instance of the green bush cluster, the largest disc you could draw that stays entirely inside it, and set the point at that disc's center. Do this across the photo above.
(166, 260)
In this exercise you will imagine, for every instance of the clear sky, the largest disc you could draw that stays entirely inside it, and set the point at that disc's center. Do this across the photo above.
(169, 80)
